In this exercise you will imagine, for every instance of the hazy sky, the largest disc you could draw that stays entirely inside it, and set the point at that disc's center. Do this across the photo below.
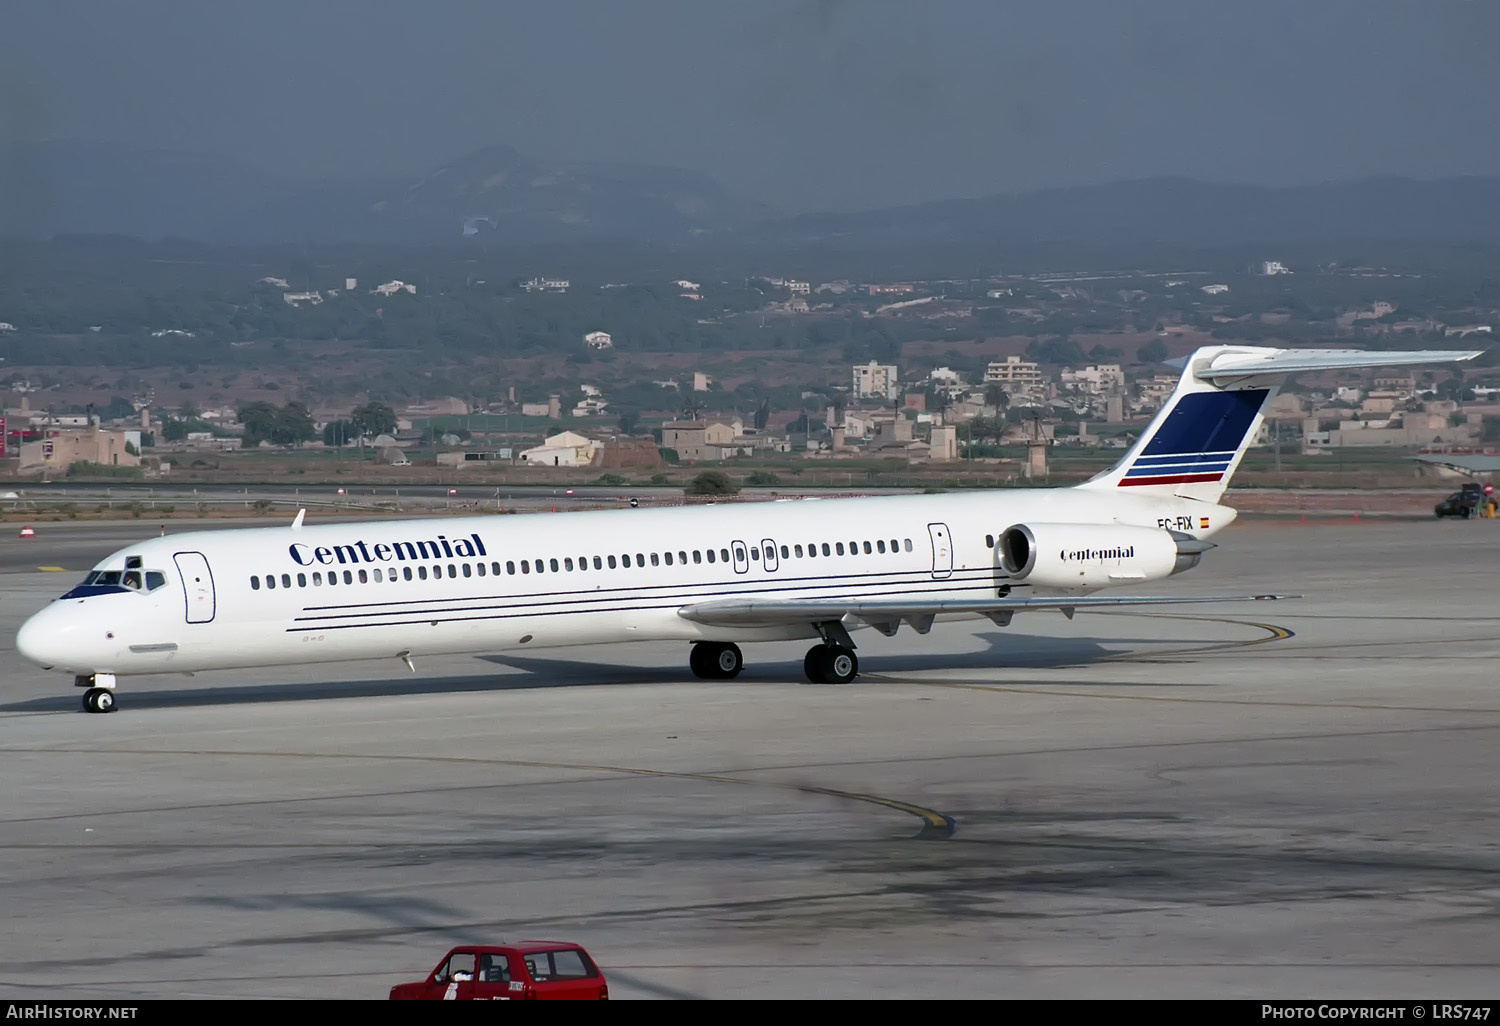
(804, 104)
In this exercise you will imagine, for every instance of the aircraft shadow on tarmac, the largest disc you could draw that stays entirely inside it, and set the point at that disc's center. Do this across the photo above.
(1005, 650)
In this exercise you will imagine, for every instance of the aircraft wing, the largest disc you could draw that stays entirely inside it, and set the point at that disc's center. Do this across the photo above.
(886, 615)
(1291, 361)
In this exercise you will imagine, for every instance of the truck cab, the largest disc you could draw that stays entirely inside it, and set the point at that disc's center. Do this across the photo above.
(524, 971)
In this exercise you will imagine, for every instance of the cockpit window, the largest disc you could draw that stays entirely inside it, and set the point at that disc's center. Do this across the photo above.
(105, 582)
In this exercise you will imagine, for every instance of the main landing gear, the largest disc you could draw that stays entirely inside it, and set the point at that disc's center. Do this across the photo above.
(830, 664)
(716, 660)
(100, 696)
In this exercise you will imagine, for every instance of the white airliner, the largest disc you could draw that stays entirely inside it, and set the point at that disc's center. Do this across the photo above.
(715, 576)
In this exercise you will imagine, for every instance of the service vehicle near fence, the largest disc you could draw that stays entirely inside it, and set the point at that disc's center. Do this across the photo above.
(524, 971)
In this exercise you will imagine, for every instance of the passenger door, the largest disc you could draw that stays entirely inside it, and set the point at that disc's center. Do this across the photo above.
(942, 551)
(497, 979)
(456, 978)
(197, 586)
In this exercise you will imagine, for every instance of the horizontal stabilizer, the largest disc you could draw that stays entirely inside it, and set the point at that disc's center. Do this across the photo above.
(790, 612)
(1233, 366)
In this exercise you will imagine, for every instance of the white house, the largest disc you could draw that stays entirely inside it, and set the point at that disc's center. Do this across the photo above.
(1214, 290)
(598, 340)
(568, 449)
(390, 288)
(298, 298)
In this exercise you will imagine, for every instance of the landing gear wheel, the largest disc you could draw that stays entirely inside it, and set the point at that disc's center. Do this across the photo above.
(830, 664)
(716, 660)
(99, 700)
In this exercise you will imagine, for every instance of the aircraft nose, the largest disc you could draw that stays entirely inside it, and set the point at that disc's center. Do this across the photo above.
(51, 638)
(35, 641)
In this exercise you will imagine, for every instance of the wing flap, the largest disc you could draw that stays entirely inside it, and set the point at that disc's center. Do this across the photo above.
(885, 613)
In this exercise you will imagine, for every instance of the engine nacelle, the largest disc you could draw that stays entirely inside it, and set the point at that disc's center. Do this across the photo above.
(1072, 556)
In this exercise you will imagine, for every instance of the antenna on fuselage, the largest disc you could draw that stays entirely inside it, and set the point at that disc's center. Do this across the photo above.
(297, 523)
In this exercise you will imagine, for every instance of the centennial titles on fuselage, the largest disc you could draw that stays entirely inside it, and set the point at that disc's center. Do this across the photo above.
(387, 552)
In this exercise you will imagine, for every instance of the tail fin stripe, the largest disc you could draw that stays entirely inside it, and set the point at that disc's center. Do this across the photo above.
(1131, 482)
(1209, 457)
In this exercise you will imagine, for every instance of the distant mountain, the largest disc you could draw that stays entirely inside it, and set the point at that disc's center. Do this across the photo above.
(504, 198)
(494, 196)
(1171, 212)
(499, 198)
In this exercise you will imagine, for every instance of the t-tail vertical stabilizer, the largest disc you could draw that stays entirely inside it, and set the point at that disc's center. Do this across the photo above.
(1193, 445)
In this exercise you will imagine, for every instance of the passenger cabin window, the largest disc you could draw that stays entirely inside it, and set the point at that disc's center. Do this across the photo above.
(710, 555)
(698, 556)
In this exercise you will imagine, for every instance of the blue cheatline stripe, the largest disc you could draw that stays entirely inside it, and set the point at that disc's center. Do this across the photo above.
(1207, 422)
(1185, 457)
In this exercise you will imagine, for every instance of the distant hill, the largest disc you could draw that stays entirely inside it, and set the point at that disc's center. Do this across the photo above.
(499, 198)
(494, 196)
(1171, 212)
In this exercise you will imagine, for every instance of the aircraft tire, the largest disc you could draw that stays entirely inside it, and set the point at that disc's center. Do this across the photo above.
(98, 700)
(830, 664)
(700, 661)
(728, 661)
(716, 660)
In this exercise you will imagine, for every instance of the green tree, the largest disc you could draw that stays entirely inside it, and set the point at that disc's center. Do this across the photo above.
(712, 482)
(259, 421)
(374, 418)
(174, 430)
(629, 421)
(294, 425)
(339, 432)
(1154, 351)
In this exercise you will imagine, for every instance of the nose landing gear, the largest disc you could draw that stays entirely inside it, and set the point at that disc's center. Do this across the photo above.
(98, 700)
(100, 696)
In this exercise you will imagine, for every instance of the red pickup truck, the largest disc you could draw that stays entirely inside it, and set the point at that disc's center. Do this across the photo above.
(528, 971)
